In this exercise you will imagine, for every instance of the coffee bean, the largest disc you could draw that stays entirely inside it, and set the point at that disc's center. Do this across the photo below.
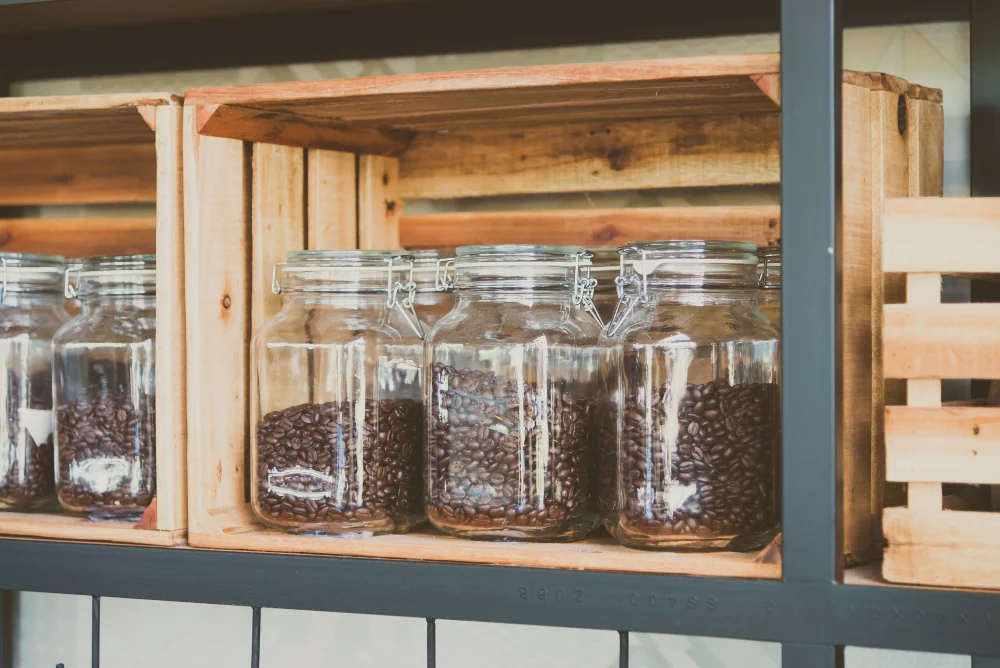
(526, 462)
(675, 476)
(107, 456)
(307, 457)
(26, 469)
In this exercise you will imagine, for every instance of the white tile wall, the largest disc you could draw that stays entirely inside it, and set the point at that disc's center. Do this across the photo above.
(52, 629)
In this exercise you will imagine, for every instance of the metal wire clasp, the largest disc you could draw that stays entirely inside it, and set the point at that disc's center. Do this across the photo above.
(444, 274)
(275, 283)
(629, 299)
(69, 290)
(406, 304)
(762, 279)
(3, 288)
(584, 285)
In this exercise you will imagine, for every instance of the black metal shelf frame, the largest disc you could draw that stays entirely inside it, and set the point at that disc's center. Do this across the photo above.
(809, 611)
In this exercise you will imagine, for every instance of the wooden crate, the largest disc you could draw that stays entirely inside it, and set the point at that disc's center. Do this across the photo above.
(108, 149)
(331, 164)
(926, 341)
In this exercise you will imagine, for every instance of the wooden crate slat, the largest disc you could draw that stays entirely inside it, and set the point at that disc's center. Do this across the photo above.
(104, 173)
(77, 119)
(959, 445)
(942, 341)
(78, 237)
(379, 205)
(69, 527)
(332, 207)
(171, 353)
(217, 247)
(238, 530)
(933, 234)
(580, 157)
(592, 227)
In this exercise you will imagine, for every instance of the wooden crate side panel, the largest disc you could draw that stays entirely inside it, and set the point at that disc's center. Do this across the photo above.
(78, 237)
(942, 341)
(218, 303)
(333, 200)
(92, 174)
(580, 157)
(856, 324)
(925, 141)
(379, 203)
(171, 358)
(960, 445)
(56, 526)
(593, 227)
(914, 241)
(278, 221)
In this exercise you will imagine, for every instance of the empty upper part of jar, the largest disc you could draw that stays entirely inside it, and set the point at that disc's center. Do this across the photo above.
(433, 301)
(28, 273)
(112, 276)
(769, 267)
(605, 267)
(692, 264)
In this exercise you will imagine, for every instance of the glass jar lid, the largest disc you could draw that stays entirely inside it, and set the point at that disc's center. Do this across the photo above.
(769, 267)
(112, 275)
(30, 273)
(691, 264)
(519, 266)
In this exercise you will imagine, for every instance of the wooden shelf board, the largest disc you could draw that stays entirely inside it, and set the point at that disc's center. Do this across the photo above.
(599, 552)
(67, 527)
(78, 119)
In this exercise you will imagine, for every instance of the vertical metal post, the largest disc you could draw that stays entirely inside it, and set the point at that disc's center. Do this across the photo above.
(6, 629)
(623, 649)
(95, 632)
(795, 655)
(255, 639)
(431, 643)
(811, 74)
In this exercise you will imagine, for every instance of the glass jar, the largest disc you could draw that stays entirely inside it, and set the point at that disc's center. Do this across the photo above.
(31, 310)
(105, 389)
(769, 277)
(338, 388)
(697, 409)
(511, 377)
(605, 266)
(432, 303)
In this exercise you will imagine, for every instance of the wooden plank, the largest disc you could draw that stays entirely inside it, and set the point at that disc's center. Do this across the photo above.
(505, 96)
(61, 121)
(943, 341)
(275, 127)
(78, 237)
(379, 204)
(914, 241)
(217, 245)
(171, 353)
(960, 445)
(945, 548)
(79, 174)
(598, 553)
(333, 200)
(80, 529)
(580, 157)
(593, 227)
(925, 143)
(278, 224)
(856, 297)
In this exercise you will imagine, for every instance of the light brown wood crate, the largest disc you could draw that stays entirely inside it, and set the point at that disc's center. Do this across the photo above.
(375, 144)
(926, 341)
(108, 149)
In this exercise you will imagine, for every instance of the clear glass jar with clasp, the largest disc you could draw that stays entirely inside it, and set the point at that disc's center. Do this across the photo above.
(512, 372)
(105, 389)
(769, 272)
(337, 383)
(432, 301)
(697, 410)
(31, 310)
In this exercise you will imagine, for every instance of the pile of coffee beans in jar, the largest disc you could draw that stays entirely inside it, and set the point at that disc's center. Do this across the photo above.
(27, 479)
(107, 456)
(703, 476)
(309, 478)
(509, 460)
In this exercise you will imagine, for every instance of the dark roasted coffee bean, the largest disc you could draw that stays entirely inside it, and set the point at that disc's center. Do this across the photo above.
(307, 457)
(524, 465)
(26, 467)
(719, 462)
(107, 442)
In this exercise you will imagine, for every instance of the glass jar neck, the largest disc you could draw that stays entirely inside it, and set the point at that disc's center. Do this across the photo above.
(372, 300)
(560, 295)
(734, 296)
(117, 302)
(34, 299)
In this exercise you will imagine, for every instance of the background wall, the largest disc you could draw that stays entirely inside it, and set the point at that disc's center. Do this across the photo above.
(52, 629)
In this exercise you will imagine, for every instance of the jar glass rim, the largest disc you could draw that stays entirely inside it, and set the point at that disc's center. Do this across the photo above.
(112, 263)
(770, 253)
(500, 252)
(33, 260)
(346, 258)
(704, 250)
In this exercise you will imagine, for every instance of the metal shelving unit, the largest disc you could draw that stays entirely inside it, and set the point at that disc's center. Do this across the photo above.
(812, 611)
